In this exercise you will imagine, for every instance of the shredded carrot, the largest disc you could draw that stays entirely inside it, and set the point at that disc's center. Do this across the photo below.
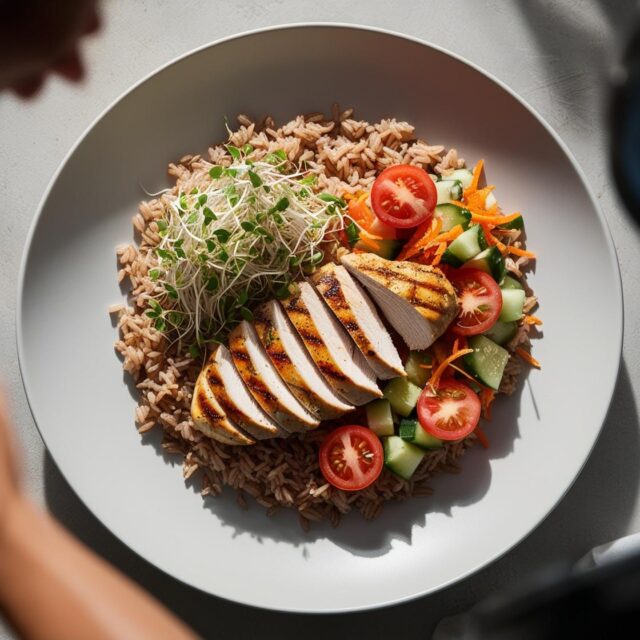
(437, 374)
(369, 235)
(487, 234)
(372, 244)
(433, 230)
(532, 320)
(496, 220)
(487, 396)
(520, 252)
(442, 247)
(359, 212)
(502, 247)
(426, 366)
(418, 234)
(482, 437)
(464, 373)
(527, 357)
(477, 172)
(449, 236)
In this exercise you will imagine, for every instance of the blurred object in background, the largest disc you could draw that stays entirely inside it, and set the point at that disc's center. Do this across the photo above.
(600, 599)
(625, 127)
(41, 37)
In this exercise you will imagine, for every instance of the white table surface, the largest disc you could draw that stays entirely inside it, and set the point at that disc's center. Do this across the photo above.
(555, 55)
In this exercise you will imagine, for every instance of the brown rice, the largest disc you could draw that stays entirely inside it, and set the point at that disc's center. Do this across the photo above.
(346, 155)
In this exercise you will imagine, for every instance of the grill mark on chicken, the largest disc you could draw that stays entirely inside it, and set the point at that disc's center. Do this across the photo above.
(207, 409)
(389, 274)
(258, 387)
(330, 370)
(279, 355)
(352, 325)
(311, 338)
(330, 288)
(292, 305)
(238, 354)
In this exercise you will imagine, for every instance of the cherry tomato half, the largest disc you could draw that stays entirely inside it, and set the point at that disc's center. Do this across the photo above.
(351, 457)
(479, 301)
(403, 196)
(451, 412)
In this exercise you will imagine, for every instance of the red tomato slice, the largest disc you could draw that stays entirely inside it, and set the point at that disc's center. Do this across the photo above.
(351, 457)
(479, 301)
(451, 412)
(403, 196)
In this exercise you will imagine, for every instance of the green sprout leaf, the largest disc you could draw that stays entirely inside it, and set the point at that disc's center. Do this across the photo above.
(216, 172)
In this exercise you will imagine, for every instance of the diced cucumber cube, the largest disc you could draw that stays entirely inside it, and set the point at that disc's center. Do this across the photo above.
(379, 417)
(512, 305)
(502, 332)
(464, 175)
(487, 362)
(490, 261)
(401, 456)
(466, 246)
(415, 372)
(448, 190)
(511, 283)
(516, 223)
(412, 431)
(403, 395)
(452, 215)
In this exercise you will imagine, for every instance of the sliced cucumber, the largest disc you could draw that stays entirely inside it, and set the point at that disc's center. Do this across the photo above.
(516, 223)
(490, 261)
(452, 215)
(379, 417)
(448, 190)
(411, 431)
(512, 305)
(401, 456)
(464, 175)
(402, 395)
(415, 372)
(387, 249)
(511, 283)
(487, 362)
(502, 332)
(466, 246)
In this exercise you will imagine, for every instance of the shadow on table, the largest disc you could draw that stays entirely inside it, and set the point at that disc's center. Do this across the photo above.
(572, 67)
(594, 511)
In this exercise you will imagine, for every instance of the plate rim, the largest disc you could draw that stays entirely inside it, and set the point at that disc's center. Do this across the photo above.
(612, 255)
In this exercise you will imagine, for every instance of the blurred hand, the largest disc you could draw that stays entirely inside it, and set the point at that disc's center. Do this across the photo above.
(8, 468)
(39, 37)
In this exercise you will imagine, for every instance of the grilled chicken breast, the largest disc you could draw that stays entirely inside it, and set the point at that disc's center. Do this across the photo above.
(264, 381)
(294, 364)
(234, 397)
(416, 299)
(210, 418)
(359, 317)
(337, 357)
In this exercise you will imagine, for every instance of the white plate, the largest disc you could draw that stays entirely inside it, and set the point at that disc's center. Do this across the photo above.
(540, 438)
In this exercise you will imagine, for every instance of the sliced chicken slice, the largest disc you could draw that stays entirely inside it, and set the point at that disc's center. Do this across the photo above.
(359, 317)
(264, 381)
(337, 357)
(210, 418)
(234, 397)
(416, 299)
(294, 364)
